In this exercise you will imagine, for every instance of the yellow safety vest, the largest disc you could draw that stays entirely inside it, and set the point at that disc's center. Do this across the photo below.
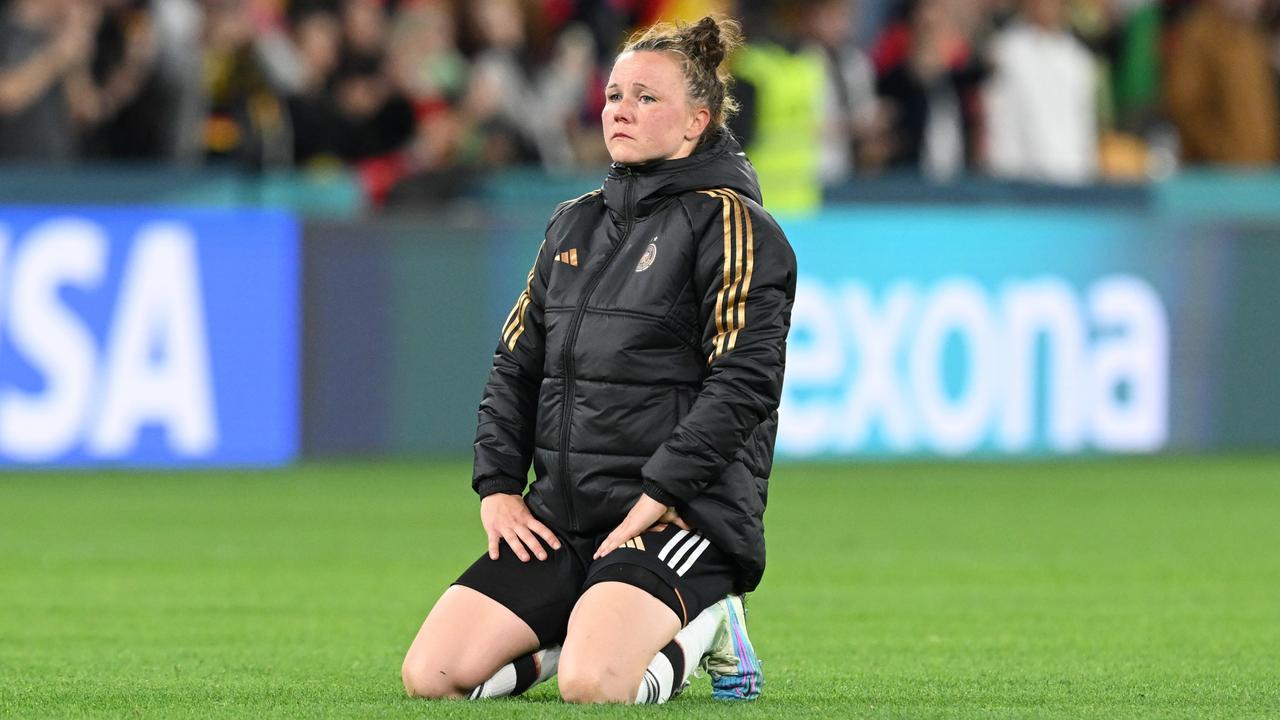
(788, 128)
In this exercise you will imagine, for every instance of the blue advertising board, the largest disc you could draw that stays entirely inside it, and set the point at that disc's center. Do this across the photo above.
(945, 332)
(152, 337)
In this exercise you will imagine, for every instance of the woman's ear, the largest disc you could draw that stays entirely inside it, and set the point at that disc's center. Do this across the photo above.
(698, 123)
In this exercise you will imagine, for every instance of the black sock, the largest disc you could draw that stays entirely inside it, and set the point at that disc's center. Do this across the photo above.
(664, 677)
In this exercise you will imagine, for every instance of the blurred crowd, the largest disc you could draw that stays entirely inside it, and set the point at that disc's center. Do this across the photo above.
(418, 93)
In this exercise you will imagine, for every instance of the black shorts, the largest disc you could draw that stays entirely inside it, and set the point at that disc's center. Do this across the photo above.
(680, 568)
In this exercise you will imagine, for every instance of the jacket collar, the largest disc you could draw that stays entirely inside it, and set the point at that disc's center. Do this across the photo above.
(719, 162)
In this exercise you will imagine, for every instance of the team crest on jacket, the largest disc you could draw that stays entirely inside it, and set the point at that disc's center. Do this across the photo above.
(650, 253)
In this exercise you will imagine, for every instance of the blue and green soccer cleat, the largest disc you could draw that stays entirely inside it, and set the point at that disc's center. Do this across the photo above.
(732, 663)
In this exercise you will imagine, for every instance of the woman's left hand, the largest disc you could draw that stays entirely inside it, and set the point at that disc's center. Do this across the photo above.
(644, 514)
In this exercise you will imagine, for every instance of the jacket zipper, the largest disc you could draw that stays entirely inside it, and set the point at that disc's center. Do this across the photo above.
(567, 353)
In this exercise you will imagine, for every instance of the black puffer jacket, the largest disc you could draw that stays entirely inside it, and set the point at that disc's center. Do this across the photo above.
(646, 355)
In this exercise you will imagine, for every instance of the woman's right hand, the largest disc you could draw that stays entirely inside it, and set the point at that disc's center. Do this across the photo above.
(506, 517)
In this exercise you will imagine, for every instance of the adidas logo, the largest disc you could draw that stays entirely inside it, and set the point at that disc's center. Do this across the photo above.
(568, 257)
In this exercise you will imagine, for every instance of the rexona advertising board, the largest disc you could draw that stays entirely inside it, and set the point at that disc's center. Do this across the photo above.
(1011, 332)
(148, 337)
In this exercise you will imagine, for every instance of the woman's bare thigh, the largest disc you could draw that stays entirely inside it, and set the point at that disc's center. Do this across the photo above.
(614, 632)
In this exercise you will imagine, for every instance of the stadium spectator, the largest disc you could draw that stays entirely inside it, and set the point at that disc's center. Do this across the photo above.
(45, 86)
(426, 67)
(246, 120)
(317, 35)
(133, 110)
(929, 81)
(962, 20)
(1124, 37)
(781, 82)
(1041, 99)
(523, 96)
(180, 73)
(1221, 86)
(316, 124)
(346, 108)
(428, 78)
(364, 31)
(378, 119)
(853, 126)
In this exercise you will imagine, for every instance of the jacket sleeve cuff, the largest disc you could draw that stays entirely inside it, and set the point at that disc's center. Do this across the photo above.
(493, 486)
(653, 490)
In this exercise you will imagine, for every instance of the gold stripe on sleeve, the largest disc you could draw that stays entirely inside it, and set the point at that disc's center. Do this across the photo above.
(720, 296)
(514, 326)
(739, 271)
(746, 282)
(509, 336)
(732, 246)
(739, 265)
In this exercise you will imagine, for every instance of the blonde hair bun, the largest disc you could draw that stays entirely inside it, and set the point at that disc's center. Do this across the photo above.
(702, 47)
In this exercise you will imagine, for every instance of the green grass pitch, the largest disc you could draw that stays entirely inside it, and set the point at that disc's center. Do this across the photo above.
(1084, 589)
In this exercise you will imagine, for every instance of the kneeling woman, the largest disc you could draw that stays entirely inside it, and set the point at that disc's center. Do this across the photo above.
(640, 372)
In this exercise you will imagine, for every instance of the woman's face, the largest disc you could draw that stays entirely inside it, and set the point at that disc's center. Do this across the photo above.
(646, 113)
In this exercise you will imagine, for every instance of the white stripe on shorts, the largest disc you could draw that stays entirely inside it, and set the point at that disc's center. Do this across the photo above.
(693, 556)
(674, 561)
(675, 540)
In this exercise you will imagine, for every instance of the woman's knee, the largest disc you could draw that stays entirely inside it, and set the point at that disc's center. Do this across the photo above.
(462, 643)
(592, 684)
(421, 682)
(430, 679)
